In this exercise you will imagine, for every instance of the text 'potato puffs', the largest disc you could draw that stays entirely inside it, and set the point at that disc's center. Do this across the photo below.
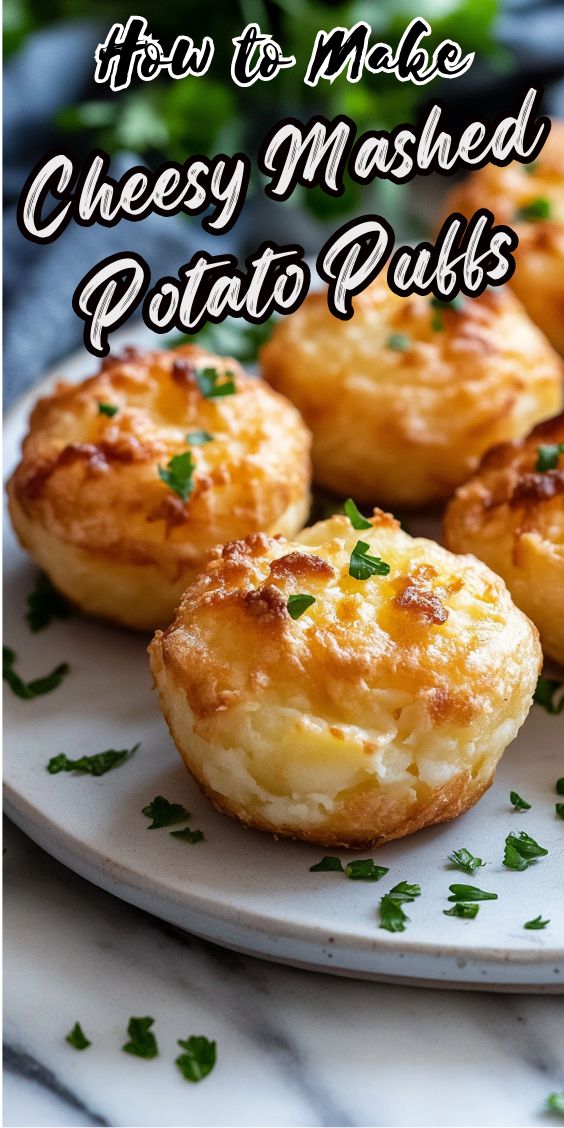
(345, 687)
(511, 515)
(530, 199)
(404, 398)
(128, 479)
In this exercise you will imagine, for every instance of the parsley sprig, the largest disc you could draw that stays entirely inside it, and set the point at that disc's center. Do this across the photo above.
(392, 916)
(518, 803)
(109, 409)
(178, 474)
(470, 893)
(213, 383)
(188, 835)
(539, 208)
(463, 909)
(465, 861)
(521, 850)
(547, 456)
(164, 813)
(96, 765)
(142, 1042)
(362, 566)
(35, 688)
(299, 603)
(365, 869)
(355, 516)
(197, 1059)
(44, 604)
(535, 924)
(328, 864)
(77, 1038)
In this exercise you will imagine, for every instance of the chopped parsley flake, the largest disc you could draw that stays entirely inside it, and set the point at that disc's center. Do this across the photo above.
(164, 813)
(142, 1041)
(548, 694)
(398, 342)
(547, 456)
(519, 803)
(77, 1038)
(109, 409)
(297, 604)
(539, 208)
(327, 864)
(199, 438)
(35, 688)
(177, 474)
(559, 808)
(355, 516)
(392, 916)
(96, 765)
(470, 893)
(44, 604)
(535, 924)
(362, 565)
(555, 1102)
(187, 835)
(521, 850)
(464, 909)
(365, 869)
(465, 861)
(213, 384)
(198, 1059)
(560, 786)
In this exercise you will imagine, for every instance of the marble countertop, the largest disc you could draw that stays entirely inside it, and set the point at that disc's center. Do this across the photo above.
(294, 1047)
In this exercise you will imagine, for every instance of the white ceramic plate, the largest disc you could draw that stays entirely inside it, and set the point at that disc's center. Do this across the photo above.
(240, 888)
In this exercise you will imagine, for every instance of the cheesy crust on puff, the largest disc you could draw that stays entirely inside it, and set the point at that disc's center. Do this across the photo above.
(384, 708)
(511, 515)
(403, 422)
(538, 280)
(87, 500)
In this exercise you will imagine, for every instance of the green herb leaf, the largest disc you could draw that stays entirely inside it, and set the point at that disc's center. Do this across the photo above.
(213, 384)
(512, 859)
(464, 860)
(326, 865)
(199, 438)
(178, 474)
(525, 845)
(559, 808)
(519, 803)
(470, 893)
(142, 1042)
(548, 695)
(555, 1102)
(108, 409)
(44, 603)
(463, 909)
(538, 922)
(365, 869)
(405, 892)
(560, 786)
(187, 835)
(355, 516)
(164, 813)
(198, 1059)
(297, 604)
(362, 566)
(539, 208)
(547, 456)
(392, 916)
(96, 765)
(35, 688)
(398, 342)
(77, 1038)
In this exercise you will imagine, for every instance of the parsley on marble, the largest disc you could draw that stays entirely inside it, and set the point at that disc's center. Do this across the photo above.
(535, 924)
(518, 803)
(547, 456)
(109, 409)
(555, 1103)
(464, 909)
(470, 893)
(178, 474)
(539, 208)
(365, 869)
(465, 861)
(164, 813)
(355, 516)
(549, 696)
(392, 916)
(327, 864)
(362, 565)
(299, 603)
(77, 1038)
(199, 438)
(35, 688)
(198, 1058)
(213, 384)
(96, 765)
(398, 342)
(44, 604)
(521, 850)
(142, 1041)
(188, 835)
